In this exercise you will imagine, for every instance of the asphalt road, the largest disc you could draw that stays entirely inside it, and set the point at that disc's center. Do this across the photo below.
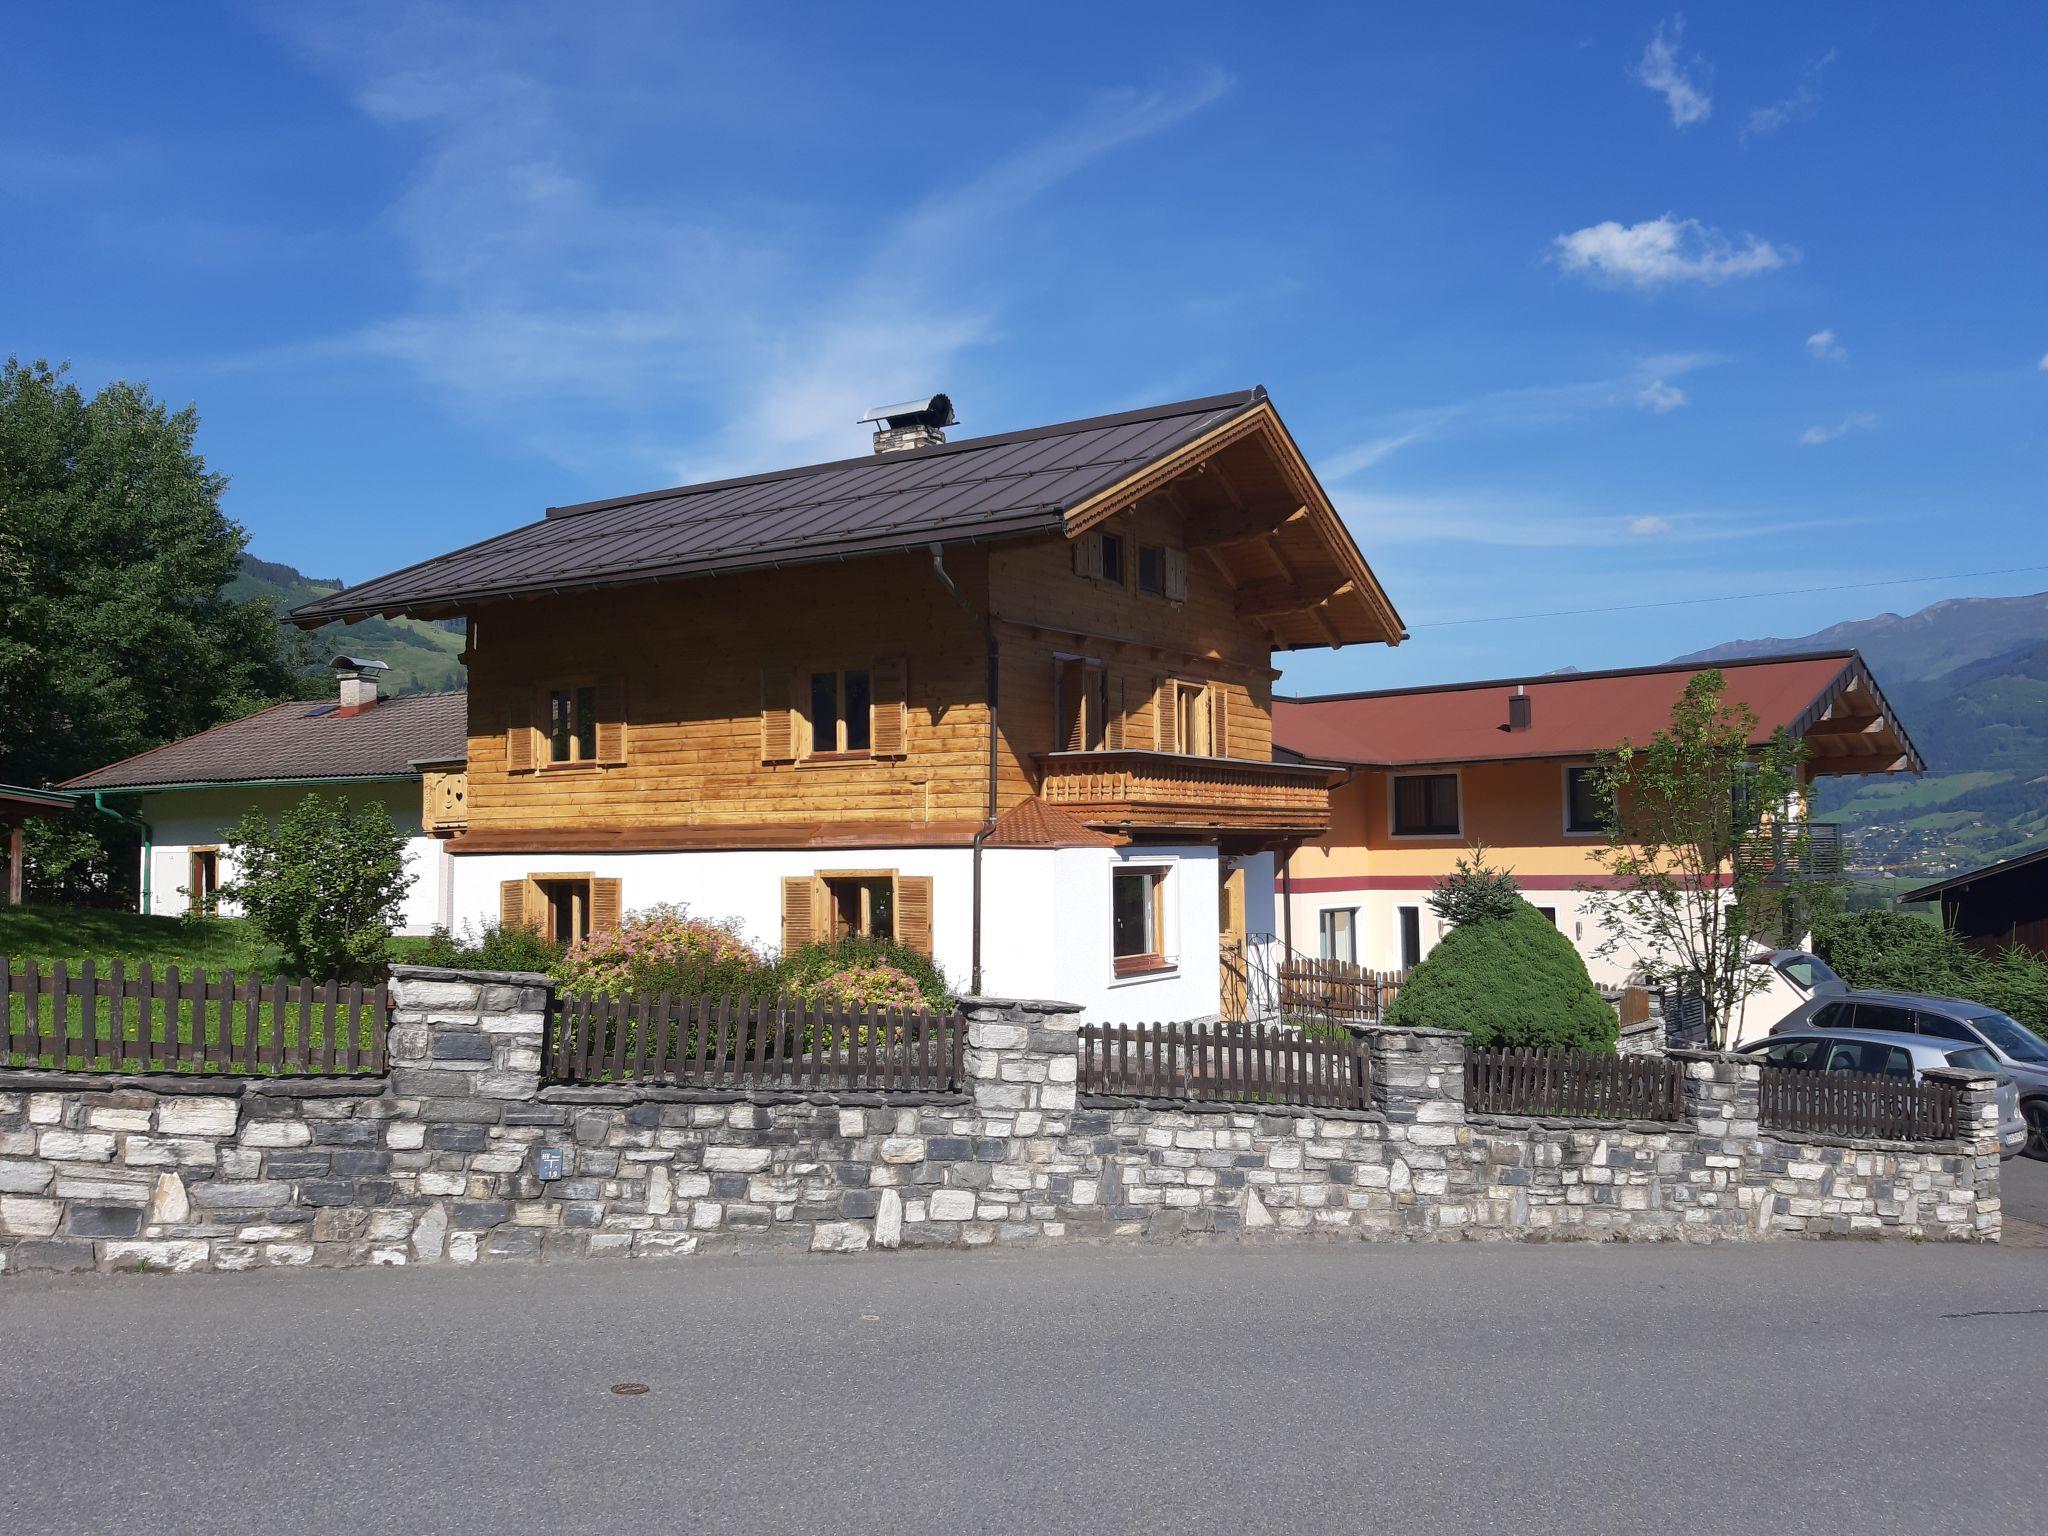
(1838, 1388)
(2023, 1191)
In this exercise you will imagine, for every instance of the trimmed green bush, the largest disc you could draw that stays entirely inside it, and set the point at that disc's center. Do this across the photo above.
(1515, 981)
(489, 948)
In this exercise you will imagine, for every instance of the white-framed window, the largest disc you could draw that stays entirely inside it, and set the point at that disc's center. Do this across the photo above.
(1140, 920)
(1338, 934)
(1425, 804)
(1408, 923)
(1585, 807)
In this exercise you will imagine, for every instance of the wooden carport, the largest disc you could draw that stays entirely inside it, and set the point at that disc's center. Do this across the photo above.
(17, 804)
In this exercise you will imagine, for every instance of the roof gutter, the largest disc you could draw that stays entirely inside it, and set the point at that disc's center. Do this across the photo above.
(988, 825)
(157, 789)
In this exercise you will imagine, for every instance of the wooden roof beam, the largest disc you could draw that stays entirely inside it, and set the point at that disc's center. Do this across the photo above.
(1271, 599)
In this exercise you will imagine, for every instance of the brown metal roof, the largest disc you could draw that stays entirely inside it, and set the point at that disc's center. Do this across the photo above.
(979, 488)
(303, 741)
(1573, 714)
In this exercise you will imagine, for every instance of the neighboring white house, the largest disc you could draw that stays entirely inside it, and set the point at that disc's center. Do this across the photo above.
(189, 794)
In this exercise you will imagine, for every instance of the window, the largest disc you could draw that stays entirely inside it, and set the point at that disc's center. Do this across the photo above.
(1340, 934)
(202, 890)
(1834, 1016)
(1977, 1059)
(567, 909)
(1137, 919)
(1426, 805)
(1549, 915)
(1943, 1029)
(1807, 972)
(1192, 718)
(1871, 1057)
(1152, 570)
(572, 724)
(1884, 1016)
(840, 711)
(1410, 919)
(1082, 706)
(1113, 558)
(862, 905)
(2010, 1036)
(1796, 1055)
(1585, 806)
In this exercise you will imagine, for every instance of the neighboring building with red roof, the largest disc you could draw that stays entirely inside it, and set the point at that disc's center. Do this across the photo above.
(1507, 762)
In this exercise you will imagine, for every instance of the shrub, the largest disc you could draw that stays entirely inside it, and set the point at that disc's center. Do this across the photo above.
(489, 948)
(1475, 892)
(665, 949)
(1515, 981)
(1909, 954)
(865, 987)
(804, 972)
(322, 882)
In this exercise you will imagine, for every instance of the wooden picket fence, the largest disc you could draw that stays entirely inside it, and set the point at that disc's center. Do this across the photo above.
(1334, 989)
(1579, 1085)
(1229, 1063)
(1858, 1104)
(108, 1020)
(754, 1043)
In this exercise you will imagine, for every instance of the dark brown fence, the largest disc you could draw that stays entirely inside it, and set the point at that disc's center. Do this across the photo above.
(1858, 1104)
(1253, 1063)
(708, 1042)
(1335, 989)
(1582, 1085)
(86, 1021)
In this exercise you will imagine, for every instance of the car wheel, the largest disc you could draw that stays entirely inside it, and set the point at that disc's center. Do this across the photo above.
(2036, 1111)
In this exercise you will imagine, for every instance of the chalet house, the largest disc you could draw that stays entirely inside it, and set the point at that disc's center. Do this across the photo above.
(403, 753)
(1997, 907)
(1510, 763)
(1007, 699)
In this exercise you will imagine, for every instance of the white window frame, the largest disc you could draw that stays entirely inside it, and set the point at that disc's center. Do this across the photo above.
(1421, 946)
(1394, 776)
(1322, 937)
(1167, 893)
(1564, 785)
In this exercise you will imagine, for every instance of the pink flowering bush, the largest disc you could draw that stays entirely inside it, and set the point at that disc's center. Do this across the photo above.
(877, 985)
(665, 949)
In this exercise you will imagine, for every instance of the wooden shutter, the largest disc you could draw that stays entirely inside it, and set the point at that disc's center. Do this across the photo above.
(1166, 716)
(914, 912)
(1079, 549)
(522, 904)
(1219, 721)
(1113, 725)
(1094, 543)
(611, 722)
(800, 925)
(1176, 575)
(519, 736)
(607, 905)
(888, 711)
(778, 717)
(1070, 695)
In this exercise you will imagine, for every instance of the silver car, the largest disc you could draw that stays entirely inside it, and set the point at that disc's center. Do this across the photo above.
(2021, 1053)
(1894, 1053)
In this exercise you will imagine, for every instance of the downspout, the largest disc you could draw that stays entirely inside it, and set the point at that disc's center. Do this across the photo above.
(988, 631)
(99, 804)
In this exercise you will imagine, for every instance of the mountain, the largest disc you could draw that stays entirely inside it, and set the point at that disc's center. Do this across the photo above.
(422, 656)
(1969, 680)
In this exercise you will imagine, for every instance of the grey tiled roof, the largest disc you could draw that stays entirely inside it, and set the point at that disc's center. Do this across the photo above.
(988, 487)
(303, 741)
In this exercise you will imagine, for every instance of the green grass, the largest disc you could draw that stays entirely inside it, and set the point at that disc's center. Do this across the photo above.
(73, 934)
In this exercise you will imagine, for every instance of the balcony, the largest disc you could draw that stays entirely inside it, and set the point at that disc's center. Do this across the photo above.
(1152, 792)
(1800, 850)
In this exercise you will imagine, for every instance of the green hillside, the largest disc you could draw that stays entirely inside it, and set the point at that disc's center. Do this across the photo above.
(1969, 681)
(422, 656)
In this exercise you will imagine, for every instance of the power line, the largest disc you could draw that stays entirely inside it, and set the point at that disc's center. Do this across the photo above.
(1733, 597)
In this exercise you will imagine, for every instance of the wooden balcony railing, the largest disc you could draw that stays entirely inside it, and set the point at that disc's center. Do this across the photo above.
(1169, 792)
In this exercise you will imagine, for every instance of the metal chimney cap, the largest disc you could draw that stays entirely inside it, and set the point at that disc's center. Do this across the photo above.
(358, 664)
(932, 411)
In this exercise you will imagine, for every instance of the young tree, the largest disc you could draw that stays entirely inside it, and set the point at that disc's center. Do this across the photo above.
(322, 882)
(1706, 846)
(1475, 892)
(116, 634)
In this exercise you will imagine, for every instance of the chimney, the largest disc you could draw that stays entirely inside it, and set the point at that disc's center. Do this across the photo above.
(358, 682)
(913, 424)
(1518, 709)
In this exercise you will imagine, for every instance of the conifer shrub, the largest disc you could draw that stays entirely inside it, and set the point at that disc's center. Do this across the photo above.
(1512, 981)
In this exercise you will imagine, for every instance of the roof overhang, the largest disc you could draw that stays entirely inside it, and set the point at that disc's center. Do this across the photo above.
(19, 800)
(1256, 511)
(1850, 728)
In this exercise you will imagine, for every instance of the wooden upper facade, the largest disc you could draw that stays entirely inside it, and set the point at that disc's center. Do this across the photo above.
(842, 697)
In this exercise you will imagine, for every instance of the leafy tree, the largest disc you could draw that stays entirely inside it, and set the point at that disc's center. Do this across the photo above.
(1475, 892)
(1687, 812)
(322, 882)
(1512, 981)
(116, 635)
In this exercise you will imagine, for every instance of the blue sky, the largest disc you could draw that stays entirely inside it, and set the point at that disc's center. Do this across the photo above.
(1572, 306)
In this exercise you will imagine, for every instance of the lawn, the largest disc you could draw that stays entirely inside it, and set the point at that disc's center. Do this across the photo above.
(72, 934)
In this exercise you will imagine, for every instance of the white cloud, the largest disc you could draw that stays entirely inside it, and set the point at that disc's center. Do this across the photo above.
(2044, 362)
(1665, 250)
(1661, 70)
(1514, 521)
(1648, 527)
(1660, 397)
(1855, 421)
(1800, 105)
(1825, 346)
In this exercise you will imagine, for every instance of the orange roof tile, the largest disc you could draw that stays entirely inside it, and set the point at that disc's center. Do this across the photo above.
(1031, 823)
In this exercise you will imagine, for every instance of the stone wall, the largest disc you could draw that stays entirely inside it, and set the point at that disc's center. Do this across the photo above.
(461, 1155)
